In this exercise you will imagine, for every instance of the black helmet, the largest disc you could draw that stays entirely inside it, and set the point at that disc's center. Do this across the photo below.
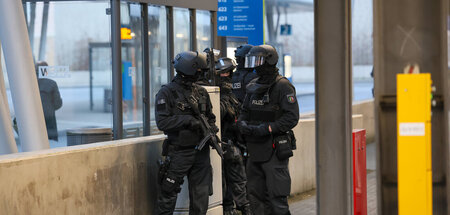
(260, 55)
(241, 51)
(188, 63)
(224, 65)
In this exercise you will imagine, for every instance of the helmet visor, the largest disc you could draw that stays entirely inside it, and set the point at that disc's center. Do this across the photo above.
(253, 61)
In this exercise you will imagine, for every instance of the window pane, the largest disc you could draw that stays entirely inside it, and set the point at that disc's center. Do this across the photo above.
(158, 56)
(181, 30)
(76, 46)
(131, 24)
(362, 47)
(203, 30)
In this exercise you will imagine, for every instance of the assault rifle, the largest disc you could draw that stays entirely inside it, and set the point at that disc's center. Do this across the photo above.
(209, 133)
(212, 57)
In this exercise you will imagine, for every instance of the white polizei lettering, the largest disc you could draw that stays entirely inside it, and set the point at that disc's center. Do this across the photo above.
(257, 102)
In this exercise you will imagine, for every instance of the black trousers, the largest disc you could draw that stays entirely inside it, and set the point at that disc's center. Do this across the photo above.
(196, 166)
(269, 185)
(235, 180)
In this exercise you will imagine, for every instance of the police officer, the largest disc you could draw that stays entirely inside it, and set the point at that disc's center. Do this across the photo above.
(243, 75)
(235, 179)
(269, 112)
(177, 105)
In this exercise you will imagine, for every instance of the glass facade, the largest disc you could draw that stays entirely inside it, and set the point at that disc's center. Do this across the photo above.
(132, 71)
(157, 36)
(203, 30)
(77, 50)
(181, 30)
(74, 39)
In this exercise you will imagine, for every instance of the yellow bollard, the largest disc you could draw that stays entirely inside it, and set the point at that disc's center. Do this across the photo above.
(414, 144)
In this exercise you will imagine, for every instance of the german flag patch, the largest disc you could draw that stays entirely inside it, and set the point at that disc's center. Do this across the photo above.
(291, 98)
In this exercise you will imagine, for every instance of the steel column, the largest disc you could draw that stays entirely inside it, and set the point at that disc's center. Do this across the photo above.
(22, 77)
(116, 44)
(214, 42)
(170, 42)
(193, 29)
(410, 32)
(146, 70)
(7, 141)
(43, 42)
(333, 83)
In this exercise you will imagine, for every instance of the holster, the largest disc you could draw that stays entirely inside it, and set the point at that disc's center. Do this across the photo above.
(163, 167)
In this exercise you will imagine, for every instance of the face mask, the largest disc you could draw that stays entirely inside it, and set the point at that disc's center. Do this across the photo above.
(225, 79)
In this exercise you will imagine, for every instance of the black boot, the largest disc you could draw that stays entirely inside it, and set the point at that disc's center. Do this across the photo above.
(230, 211)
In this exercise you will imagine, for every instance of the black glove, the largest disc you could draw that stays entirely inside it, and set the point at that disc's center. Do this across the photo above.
(260, 130)
(244, 128)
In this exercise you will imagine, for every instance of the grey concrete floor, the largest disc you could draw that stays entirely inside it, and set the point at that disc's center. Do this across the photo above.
(305, 204)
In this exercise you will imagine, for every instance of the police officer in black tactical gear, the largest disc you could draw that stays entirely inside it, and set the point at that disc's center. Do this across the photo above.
(243, 75)
(176, 108)
(234, 176)
(269, 112)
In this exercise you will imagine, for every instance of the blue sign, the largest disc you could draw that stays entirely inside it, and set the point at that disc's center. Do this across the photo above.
(241, 18)
(286, 29)
(127, 85)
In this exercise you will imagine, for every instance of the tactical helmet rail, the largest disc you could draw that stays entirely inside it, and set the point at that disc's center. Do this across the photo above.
(189, 62)
(260, 55)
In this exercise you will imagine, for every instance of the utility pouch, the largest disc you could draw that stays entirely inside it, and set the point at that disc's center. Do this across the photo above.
(165, 147)
(283, 146)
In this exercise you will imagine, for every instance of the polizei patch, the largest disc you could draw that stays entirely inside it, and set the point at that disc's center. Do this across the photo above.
(257, 102)
(291, 98)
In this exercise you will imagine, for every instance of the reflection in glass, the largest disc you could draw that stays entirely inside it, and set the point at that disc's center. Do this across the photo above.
(158, 56)
(181, 30)
(203, 30)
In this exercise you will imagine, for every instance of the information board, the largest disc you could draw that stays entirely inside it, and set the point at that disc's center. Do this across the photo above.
(241, 18)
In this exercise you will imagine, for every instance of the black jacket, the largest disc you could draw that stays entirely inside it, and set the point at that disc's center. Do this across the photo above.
(281, 112)
(240, 80)
(51, 101)
(174, 116)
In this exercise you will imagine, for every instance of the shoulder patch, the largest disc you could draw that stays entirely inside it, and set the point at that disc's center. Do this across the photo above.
(291, 98)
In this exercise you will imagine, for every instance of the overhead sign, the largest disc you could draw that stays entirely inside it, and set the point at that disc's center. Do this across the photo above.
(241, 18)
(286, 29)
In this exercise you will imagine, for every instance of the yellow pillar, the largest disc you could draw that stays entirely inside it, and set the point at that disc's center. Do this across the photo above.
(414, 144)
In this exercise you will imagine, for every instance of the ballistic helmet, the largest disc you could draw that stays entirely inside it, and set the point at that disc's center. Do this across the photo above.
(224, 65)
(189, 62)
(261, 55)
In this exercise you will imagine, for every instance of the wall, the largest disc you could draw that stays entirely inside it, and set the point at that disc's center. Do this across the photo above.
(117, 177)
(302, 165)
(111, 178)
(366, 109)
